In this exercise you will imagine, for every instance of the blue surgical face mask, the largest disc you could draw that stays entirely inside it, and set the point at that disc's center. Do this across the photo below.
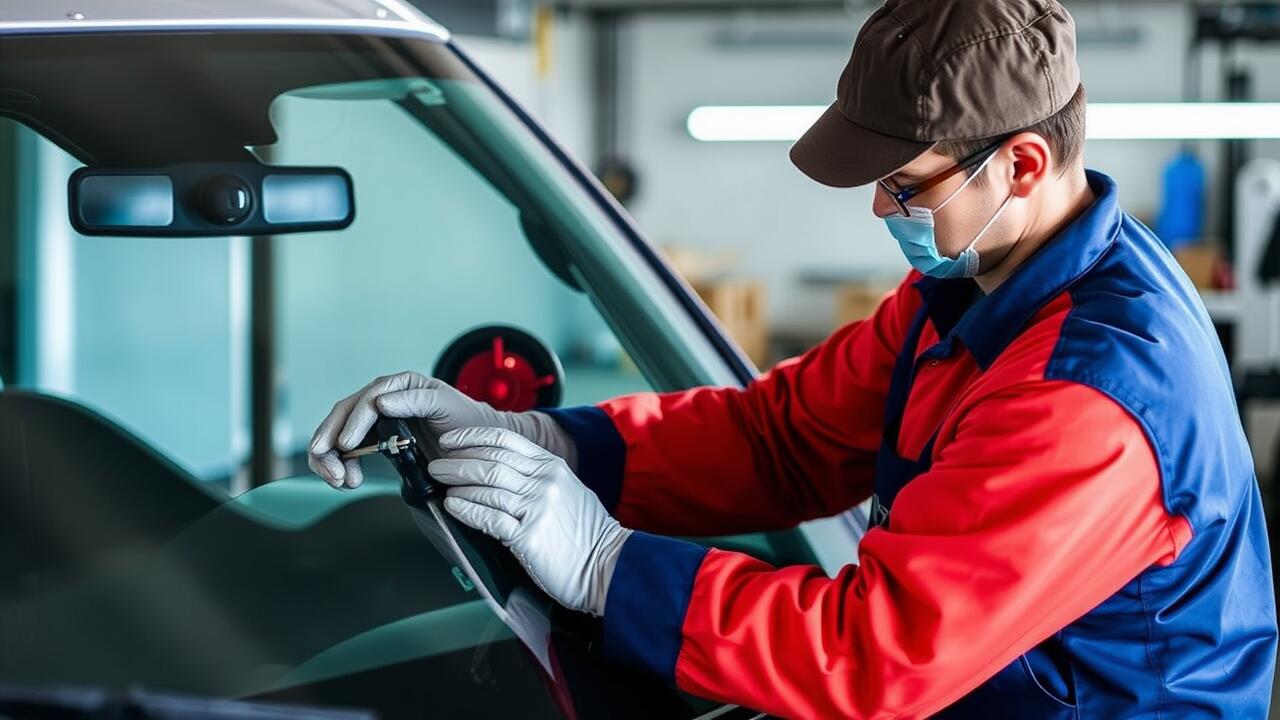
(915, 235)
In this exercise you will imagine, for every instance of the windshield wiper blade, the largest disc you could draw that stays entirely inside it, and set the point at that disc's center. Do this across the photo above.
(90, 703)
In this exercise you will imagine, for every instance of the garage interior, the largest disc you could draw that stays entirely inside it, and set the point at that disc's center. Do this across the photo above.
(685, 111)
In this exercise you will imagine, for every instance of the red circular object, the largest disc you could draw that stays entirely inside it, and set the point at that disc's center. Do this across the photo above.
(504, 380)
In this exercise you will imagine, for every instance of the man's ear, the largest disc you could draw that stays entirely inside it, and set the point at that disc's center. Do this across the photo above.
(1032, 162)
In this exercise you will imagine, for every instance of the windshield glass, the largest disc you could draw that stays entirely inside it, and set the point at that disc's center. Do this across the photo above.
(159, 526)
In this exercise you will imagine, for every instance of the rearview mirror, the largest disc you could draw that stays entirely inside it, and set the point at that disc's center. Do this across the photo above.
(201, 199)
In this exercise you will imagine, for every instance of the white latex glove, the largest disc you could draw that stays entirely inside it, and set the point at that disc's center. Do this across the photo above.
(440, 408)
(529, 500)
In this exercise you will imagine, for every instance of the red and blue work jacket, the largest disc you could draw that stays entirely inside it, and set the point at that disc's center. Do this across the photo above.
(1067, 518)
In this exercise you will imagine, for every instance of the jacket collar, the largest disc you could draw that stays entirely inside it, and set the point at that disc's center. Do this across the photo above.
(987, 325)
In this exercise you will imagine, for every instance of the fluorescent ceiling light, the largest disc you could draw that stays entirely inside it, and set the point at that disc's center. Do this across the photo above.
(1107, 121)
(1183, 121)
(751, 123)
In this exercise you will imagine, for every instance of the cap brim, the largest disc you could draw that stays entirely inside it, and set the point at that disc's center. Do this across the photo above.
(841, 153)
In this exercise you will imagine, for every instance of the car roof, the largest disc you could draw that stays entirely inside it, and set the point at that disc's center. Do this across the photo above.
(58, 16)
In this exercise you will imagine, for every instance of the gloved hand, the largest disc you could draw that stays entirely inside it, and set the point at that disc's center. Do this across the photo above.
(529, 500)
(439, 408)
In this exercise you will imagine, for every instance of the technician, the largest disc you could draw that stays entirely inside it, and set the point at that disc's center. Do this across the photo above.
(1067, 519)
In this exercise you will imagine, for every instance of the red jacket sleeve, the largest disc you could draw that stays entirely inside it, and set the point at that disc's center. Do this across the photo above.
(798, 443)
(1046, 486)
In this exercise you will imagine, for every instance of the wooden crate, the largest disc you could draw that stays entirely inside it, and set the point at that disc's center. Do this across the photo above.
(740, 307)
(857, 301)
(1200, 263)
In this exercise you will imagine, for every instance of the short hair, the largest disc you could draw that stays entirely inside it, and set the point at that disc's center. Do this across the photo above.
(1064, 131)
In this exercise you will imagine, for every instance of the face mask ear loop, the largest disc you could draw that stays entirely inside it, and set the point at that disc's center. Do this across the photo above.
(973, 245)
(992, 221)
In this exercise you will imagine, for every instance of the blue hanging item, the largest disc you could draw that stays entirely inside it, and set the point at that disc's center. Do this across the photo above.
(1181, 219)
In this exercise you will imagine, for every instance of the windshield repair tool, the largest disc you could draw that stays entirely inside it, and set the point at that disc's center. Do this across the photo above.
(485, 562)
(393, 445)
(488, 566)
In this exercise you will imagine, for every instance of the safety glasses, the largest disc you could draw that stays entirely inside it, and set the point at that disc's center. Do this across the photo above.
(901, 196)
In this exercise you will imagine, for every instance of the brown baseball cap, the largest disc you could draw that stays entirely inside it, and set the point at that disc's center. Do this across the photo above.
(927, 71)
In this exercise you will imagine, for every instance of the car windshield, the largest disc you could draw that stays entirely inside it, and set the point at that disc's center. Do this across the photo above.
(159, 525)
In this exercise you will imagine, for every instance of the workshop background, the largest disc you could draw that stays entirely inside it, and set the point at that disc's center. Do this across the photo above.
(686, 110)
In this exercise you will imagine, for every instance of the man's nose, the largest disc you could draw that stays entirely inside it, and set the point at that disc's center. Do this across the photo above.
(881, 204)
